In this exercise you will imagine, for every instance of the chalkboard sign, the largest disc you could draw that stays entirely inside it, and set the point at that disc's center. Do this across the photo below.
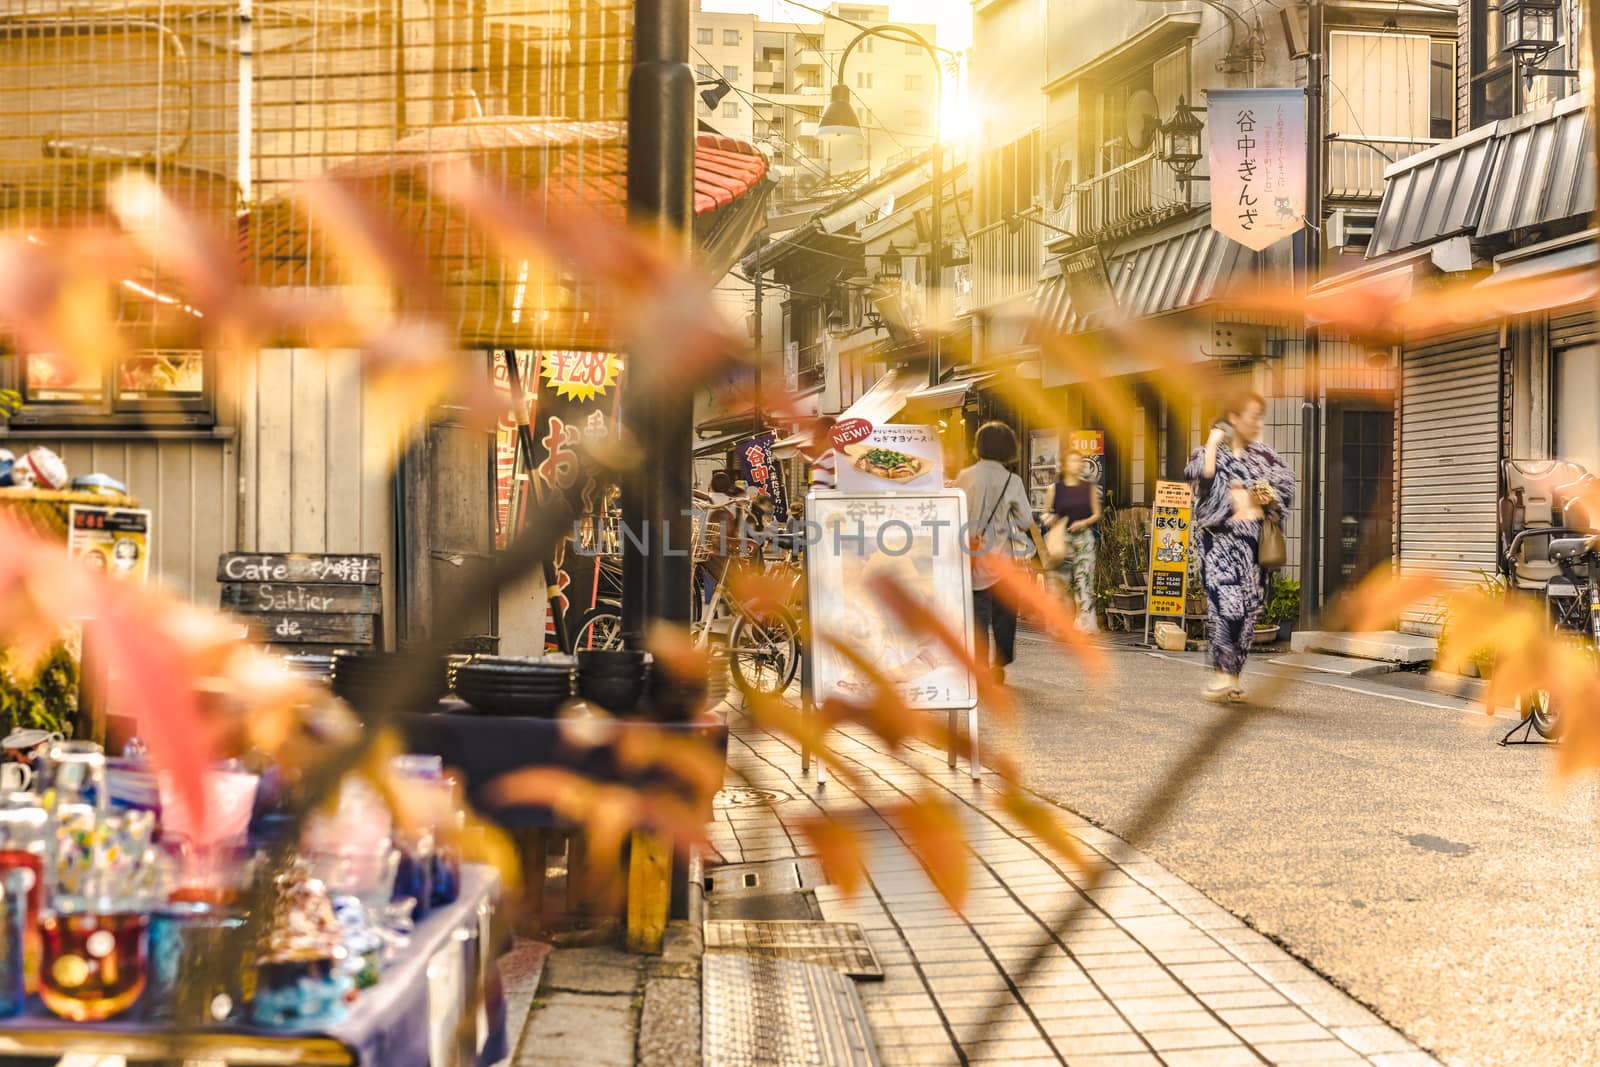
(297, 599)
(320, 570)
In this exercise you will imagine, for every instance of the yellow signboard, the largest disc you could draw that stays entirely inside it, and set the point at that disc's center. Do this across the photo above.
(1169, 548)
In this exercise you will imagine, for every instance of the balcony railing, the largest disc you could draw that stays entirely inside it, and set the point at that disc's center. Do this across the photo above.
(1141, 189)
(1005, 264)
(1356, 165)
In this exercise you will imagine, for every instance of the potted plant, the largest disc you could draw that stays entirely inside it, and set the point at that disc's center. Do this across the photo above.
(1283, 606)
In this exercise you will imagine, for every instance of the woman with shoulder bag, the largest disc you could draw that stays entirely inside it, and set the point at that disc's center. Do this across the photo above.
(1241, 490)
(1074, 508)
(999, 512)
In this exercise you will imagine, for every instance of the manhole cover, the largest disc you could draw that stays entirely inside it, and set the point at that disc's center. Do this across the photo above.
(761, 1010)
(743, 797)
(842, 946)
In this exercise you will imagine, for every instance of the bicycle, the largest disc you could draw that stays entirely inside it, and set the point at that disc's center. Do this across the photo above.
(762, 641)
(1572, 601)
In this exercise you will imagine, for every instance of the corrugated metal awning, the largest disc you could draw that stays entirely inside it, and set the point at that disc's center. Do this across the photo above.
(1529, 170)
(1543, 169)
(947, 394)
(1167, 275)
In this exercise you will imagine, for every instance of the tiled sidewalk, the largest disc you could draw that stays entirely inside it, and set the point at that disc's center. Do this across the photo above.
(1152, 972)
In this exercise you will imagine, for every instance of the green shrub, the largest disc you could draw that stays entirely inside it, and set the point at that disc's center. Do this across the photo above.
(1283, 600)
(46, 701)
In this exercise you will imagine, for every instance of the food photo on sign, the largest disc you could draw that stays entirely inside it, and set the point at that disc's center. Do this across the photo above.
(893, 458)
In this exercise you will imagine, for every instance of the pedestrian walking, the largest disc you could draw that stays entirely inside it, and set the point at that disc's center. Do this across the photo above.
(1074, 509)
(1239, 483)
(998, 517)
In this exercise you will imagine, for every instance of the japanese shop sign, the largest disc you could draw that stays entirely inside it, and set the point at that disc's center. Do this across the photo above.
(892, 457)
(113, 540)
(915, 539)
(1088, 286)
(1091, 445)
(1258, 163)
(1169, 548)
(761, 472)
(578, 375)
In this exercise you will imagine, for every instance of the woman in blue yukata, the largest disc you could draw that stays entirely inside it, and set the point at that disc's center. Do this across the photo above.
(1238, 480)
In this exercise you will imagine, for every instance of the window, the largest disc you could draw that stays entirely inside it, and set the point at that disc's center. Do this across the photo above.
(731, 73)
(154, 387)
(1494, 82)
(914, 83)
(730, 37)
(706, 70)
(1123, 116)
(913, 49)
(1577, 383)
(704, 35)
(863, 79)
(1007, 179)
(866, 44)
(1380, 86)
(915, 118)
(855, 14)
(730, 110)
(1442, 91)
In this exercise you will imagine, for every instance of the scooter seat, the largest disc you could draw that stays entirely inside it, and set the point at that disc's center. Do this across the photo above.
(1568, 549)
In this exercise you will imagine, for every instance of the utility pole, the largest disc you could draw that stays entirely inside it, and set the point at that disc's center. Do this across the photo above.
(755, 330)
(656, 568)
(1311, 378)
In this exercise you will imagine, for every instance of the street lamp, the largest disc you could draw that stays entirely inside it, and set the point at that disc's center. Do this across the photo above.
(1180, 141)
(839, 120)
(890, 268)
(1528, 30)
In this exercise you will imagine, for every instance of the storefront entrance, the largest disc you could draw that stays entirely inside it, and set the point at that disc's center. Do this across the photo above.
(1360, 500)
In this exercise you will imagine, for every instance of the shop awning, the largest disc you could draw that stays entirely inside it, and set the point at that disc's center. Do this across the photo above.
(720, 444)
(549, 166)
(1525, 171)
(1546, 275)
(1368, 294)
(879, 404)
(1170, 274)
(947, 394)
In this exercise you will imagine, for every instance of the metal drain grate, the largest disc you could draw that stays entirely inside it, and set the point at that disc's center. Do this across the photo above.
(745, 797)
(762, 1010)
(841, 946)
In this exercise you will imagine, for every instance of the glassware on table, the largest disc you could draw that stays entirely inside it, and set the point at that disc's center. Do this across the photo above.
(76, 801)
(24, 842)
(197, 963)
(16, 884)
(94, 963)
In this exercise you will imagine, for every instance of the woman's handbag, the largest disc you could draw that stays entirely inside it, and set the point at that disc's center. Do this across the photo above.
(1055, 545)
(1273, 550)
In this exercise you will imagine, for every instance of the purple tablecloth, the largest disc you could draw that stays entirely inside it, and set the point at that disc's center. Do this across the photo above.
(387, 1026)
(484, 747)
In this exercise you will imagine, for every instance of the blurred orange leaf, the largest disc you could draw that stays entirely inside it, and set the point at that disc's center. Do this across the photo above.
(838, 849)
(934, 833)
(1041, 820)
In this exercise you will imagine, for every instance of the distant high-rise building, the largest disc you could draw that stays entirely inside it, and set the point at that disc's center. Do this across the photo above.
(785, 73)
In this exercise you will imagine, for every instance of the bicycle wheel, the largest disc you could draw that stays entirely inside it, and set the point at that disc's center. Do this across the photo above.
(1536, 705)
(764, 652)
(599, 629)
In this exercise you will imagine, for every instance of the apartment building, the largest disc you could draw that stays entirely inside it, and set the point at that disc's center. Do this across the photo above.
(782, 73)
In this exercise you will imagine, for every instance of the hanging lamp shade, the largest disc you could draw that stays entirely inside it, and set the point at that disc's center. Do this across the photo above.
(839, 120)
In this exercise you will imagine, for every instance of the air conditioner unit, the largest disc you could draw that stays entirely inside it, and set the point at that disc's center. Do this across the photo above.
(1349, 231)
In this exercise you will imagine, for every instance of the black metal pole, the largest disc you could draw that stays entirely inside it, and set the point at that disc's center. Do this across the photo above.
(656, 564)
(760, 344)
(1311, 403)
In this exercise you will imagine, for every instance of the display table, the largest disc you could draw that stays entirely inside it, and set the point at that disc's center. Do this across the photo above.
(407, 1020)
(482, 748)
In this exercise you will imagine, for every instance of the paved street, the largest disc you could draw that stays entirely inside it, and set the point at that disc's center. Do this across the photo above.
(1150, 973)
(1439, 878)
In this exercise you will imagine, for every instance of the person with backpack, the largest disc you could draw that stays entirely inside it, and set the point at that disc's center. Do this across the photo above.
(998, 515)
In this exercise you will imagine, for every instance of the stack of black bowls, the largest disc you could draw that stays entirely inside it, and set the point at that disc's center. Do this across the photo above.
(614, 679)
(312, 666)
(514, 685)
(360, 677)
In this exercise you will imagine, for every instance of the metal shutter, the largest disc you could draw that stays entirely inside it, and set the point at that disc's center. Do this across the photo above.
(1573, 327)
(1449, 461)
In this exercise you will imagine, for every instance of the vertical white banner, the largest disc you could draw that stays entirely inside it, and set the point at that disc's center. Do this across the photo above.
(1258, 163)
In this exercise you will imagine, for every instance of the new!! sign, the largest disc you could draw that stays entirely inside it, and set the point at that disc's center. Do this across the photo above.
(1258, 163)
